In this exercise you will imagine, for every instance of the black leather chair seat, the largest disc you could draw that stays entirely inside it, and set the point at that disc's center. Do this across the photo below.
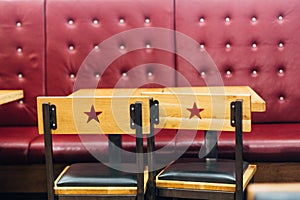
(97, 175)
(199, 170)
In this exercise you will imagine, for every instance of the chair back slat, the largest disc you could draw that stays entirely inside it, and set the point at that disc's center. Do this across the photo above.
(200, 111)
(94, 115)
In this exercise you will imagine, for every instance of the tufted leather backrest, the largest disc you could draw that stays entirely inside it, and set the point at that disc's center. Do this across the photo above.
(253, 42)
(76, 29)
(21, 58)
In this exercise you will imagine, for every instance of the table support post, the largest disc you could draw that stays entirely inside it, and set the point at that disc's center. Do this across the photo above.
(211, 144)
(114, 149)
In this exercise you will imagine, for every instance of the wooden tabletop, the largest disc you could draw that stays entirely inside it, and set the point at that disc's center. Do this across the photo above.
(7, 96)
(257, 103)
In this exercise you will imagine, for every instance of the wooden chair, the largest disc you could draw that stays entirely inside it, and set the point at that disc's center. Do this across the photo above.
(67, 115)
(209, 177)
(273, 191)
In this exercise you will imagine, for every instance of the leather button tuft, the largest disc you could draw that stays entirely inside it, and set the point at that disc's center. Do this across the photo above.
(18, 24)
(122, 21)
(202, 46)
(281, 98)
(201, 20)
(280, 44)
(97, 75)
(227, 19)
(19, 50)
(70, 21)
(280, 71)
(203, 74)
(95, 21)
(71, 47)
(122, 46)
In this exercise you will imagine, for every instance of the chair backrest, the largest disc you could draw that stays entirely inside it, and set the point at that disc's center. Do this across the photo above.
(176, 104)
(77, 115)
(200, 111)
(93, 115)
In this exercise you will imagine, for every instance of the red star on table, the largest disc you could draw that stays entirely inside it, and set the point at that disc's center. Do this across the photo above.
(195, 111)
(93, 115)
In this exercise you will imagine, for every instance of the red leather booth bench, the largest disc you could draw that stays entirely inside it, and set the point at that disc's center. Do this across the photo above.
(149, 43)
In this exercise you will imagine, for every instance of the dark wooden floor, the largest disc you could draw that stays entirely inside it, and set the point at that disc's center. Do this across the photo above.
(23, 196)
(34, 196)
(28, 182)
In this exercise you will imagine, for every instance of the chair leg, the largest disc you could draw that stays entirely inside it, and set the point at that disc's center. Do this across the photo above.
(48, 150)
(237, 122)
(151, 187)
(154, 119)
(136, 123)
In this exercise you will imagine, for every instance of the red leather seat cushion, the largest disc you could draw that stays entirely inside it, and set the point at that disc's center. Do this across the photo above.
(89, 148)
(273, 142)
(68, 148)
(15, 143)
(266, 142)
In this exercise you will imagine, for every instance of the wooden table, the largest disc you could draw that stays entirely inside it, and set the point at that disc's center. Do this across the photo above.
(7, 96)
